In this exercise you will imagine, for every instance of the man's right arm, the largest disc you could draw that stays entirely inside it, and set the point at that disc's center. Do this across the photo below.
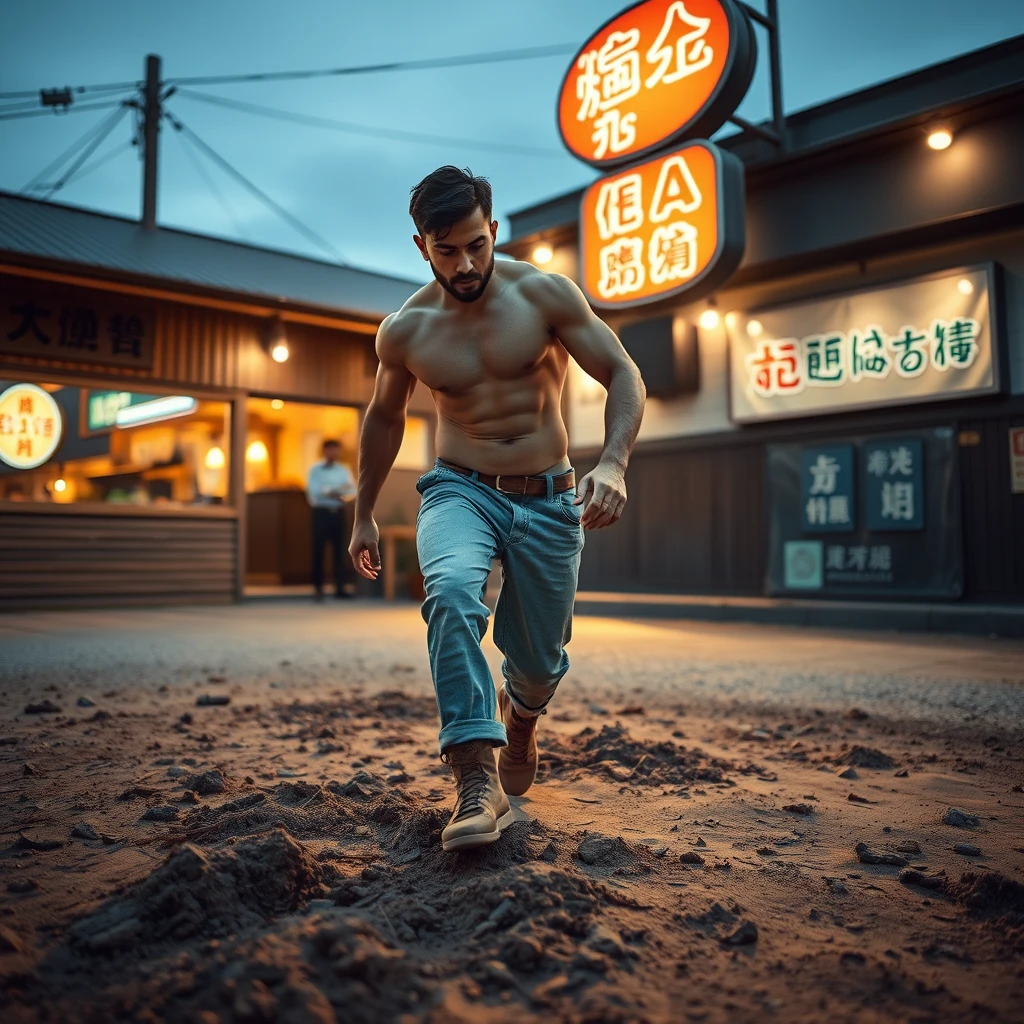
(379, 441)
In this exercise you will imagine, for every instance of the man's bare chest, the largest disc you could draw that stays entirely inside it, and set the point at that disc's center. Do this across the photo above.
(454, 355)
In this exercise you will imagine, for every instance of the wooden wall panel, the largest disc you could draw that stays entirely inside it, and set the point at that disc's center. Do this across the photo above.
(52, 561)
(694, 523)
(993, 517)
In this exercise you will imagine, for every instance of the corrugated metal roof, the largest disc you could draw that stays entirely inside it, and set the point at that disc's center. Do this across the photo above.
(70, 235)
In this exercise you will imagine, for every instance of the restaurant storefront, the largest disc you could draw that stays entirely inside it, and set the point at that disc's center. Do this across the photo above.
(162, 398)
(844, 416)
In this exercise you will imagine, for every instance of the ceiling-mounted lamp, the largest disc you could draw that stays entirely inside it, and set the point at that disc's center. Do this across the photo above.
(277, 341)
(940, 138)
(542, 254)
(710, 318)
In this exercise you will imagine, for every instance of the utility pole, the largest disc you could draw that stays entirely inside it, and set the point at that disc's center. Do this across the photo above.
(151, 114)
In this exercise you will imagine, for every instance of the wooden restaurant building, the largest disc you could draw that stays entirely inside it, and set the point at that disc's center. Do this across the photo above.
(152, 447)
(844, 417)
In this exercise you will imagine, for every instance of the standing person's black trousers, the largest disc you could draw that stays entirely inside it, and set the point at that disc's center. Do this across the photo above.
(331, 526)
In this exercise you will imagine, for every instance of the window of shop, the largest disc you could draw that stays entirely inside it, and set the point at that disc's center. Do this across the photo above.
(73, 445)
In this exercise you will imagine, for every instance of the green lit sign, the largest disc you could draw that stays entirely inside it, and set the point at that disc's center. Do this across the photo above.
(106, 409)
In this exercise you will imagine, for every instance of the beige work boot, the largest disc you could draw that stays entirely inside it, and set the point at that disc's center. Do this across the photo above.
(481, 808)
(517, 763)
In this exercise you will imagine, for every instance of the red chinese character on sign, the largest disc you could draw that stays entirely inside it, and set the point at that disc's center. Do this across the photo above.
(25, 446)
(775, 369)
(25, 405)
(7, 424)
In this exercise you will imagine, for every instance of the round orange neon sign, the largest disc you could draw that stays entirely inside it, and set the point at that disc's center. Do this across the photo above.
(661, 71)
(668, 225)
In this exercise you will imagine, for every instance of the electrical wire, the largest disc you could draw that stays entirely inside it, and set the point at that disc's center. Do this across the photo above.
(87, 152)
(289, 218)
(189, 149)
(42, 112)
(494, 57)
(79, 89)
(105, 159)
(55, 165)
(362, 129)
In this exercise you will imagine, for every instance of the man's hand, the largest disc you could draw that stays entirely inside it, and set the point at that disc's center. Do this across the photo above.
(363, 550)
(603, 494)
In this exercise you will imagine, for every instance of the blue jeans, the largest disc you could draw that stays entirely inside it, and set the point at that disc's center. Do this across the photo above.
(461, 526)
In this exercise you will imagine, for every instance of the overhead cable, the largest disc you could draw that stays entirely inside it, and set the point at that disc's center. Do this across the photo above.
(362, 129)
(54, 166)
(494, 57)
(290, 218)
(189, 148)
(87, 152)
(54, 111)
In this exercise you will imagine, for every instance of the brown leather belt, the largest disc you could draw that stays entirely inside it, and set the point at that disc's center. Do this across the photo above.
(518, 484)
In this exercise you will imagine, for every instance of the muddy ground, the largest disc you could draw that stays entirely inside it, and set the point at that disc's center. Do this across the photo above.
(201, 829)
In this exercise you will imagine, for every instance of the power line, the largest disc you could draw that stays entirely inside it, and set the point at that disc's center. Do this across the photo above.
(42, 112)
(105, 159)
(494, 57)
(189, 149)
(361, 129)
(291, 219)
(113, 87)
(87, 152)
(54, 165)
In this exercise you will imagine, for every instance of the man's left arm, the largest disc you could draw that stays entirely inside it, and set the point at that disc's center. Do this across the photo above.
(593, 344)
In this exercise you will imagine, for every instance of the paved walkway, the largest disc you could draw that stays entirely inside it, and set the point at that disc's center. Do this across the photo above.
(942, 679)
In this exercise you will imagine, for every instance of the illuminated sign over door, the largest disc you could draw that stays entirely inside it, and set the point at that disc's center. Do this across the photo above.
(660, 227)
(660, 72)
(31, 426)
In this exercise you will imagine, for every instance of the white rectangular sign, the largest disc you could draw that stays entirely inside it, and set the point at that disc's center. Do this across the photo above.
(917, 341)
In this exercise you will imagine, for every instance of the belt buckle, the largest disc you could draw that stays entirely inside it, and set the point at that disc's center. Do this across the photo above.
(498, 487)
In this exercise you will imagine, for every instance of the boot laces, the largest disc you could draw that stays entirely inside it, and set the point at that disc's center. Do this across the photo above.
(472, 781)
(519, 738)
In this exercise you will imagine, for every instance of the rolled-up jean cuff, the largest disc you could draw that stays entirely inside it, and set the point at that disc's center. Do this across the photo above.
(524, 710)
(473, 729)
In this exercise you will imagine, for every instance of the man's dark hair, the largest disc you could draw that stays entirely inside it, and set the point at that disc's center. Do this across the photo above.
(330, 441)
(446, 196)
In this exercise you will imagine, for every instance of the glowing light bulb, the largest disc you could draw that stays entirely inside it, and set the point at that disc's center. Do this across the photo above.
(940, 138)
(964, 287)
(709, 319)
(214, 459)
(754, 328)
(60, 486)
(279, 353)
(276, 403)
(542, 254)
(257, 452)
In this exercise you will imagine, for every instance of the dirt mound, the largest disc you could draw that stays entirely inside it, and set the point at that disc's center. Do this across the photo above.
(388, 705)
(991, 895)
(614, 752)
(866, 757)
(205, 894)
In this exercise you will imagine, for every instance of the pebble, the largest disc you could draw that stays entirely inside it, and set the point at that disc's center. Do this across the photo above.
(691, 858)
(901, 774)
(162, 812)
(83, 830)
(960, 819)
(208, 783)
(744, 935)
(836, 886)
(847, 773)
(911, 876)
(84, 702)
(40, 843)
(855, 799)
(210, 699)
(28, 768)
(799, 808)
(632, 709)
(22, 885)
(856, 715)
(596, 709)
(756, 734)
(868, 856)
(43, 707)
(909, 846)
(967, 849)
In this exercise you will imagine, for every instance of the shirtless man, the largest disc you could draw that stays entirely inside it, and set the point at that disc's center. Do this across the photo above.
(492, 342)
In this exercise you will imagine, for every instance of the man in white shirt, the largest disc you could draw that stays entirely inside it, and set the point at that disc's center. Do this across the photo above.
(329, 489)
